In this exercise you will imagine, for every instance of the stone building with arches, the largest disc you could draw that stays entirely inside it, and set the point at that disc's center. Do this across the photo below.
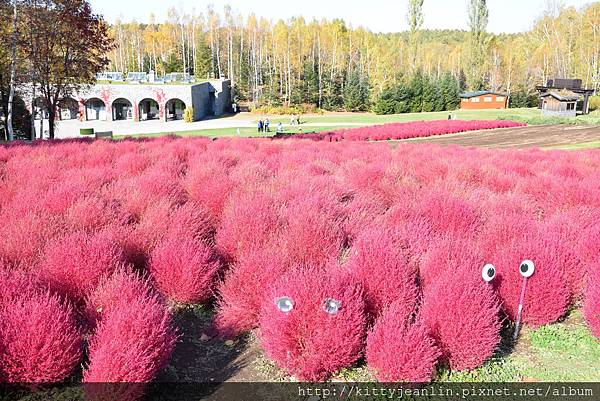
(144, 101)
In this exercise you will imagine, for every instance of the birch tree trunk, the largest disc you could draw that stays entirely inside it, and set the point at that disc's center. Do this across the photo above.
(13, 78)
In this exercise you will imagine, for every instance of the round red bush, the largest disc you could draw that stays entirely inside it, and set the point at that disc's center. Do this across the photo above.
(191, 221)
(132, 343)
(113, 292)
(74, 265)
(447, 255)
(308, 342)
(313, 230)
(40, 339)
(185, 270)
(250, 220)
(462, 314)
(400, 351)
(380, 263)
(244, 288)
(94, 213)
(548, 296)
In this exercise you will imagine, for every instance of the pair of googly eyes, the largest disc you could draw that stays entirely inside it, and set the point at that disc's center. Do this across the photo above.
(330, 306)
(527, 268)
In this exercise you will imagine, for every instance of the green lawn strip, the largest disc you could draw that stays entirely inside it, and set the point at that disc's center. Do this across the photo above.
(562, 352)
(578, 146)
(310, 123)
(245, 132)
(529, 116)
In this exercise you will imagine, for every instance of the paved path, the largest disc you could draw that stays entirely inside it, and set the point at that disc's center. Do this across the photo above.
(70, 129)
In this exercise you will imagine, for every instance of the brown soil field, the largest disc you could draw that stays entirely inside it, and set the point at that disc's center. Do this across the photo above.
(535, 136)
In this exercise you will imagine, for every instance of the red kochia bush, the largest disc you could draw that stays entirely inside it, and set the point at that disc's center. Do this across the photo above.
(313, 231)
(185, 270)
(208, 184)
(25, 235)
(250, 220)
(244, 287)
(399, 351)
(114, 292)
(94, 213)
(74, 265)
(308, 342)
(40, 339)
(462, 314)
(381, 265)
(14, 283)
(591, 308)
(447, 255)
(192, 221)
(132, 343)
(548, 297)
(414, 129)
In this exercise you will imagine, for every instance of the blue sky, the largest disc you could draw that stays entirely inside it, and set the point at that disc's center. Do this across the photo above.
(376, 15)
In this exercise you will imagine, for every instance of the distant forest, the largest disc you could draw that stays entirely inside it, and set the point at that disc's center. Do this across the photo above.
(329, 65)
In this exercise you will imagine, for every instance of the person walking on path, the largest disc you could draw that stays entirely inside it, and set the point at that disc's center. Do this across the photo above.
(267, 125)
(260, 125)
(293, 120)
(280, 128)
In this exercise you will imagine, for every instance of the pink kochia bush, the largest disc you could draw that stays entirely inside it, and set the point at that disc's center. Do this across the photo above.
(400, 351)
(250, 220)
(313, 229)
(381, 265)
(39, 339)
(461, 312)
(548, 296)
(308, 342)
(115, 291)
(185, 270)
(417, 129)
(591, 307)
(242, 291)
(74, 265)
(132, 342)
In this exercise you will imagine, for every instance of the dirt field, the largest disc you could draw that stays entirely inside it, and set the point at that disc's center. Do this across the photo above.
(541, 136)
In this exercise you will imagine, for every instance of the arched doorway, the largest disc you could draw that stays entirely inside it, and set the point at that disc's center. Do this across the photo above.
(69, 109)
(175, 109)
(95, 109)
(149, 110)
(122, 110)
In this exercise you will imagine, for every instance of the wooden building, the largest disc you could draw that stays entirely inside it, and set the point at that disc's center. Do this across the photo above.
(561, 103)
(483, 100)
(566, 89)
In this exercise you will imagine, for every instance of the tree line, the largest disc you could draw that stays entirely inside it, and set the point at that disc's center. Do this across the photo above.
(331, 65)
(321, 63)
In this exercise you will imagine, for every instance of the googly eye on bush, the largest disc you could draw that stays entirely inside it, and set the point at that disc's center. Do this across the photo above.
(284, 304)
(488, 273)
(332, 306)
(527, 268)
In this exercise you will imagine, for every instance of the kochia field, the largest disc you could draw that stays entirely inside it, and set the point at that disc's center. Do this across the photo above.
(335, 252)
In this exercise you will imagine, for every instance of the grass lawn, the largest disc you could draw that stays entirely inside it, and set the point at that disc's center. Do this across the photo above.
(333, 121)
(580, 146)
(245, 132)
(532, 116)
